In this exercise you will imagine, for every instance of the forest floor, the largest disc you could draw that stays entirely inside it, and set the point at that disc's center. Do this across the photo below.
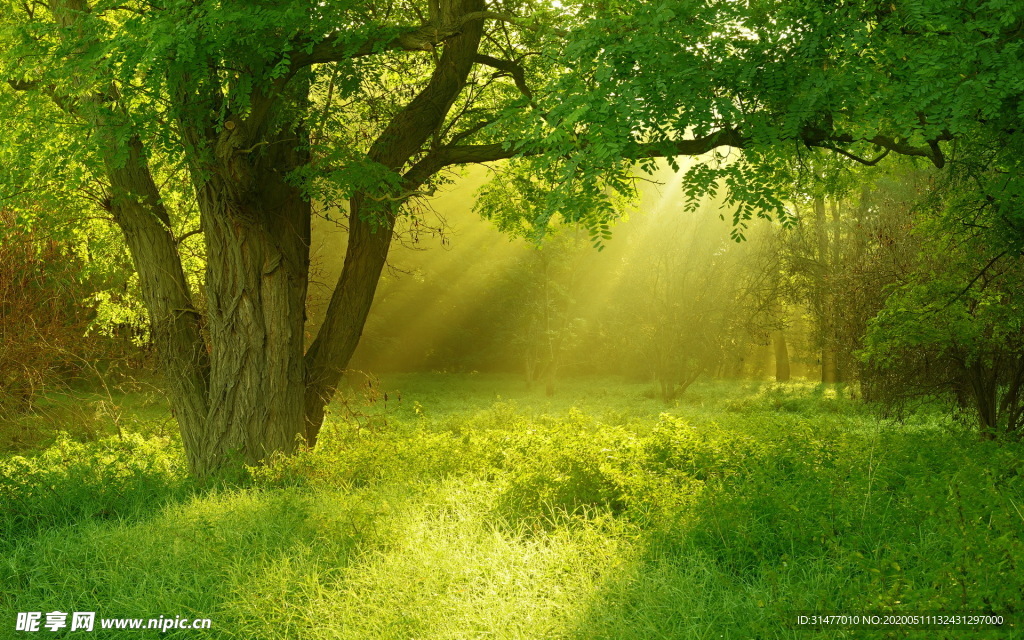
(457, 507)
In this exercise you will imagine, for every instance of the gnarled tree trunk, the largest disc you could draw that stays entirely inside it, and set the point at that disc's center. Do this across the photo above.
(257, 233)
(175, 324)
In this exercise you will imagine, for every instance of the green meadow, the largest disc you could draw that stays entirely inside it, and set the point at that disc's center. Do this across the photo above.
(468, 506)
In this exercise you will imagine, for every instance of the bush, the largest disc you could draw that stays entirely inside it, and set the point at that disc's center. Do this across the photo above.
(45, 316)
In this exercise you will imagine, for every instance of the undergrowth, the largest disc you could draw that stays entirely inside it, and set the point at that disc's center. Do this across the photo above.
(462, 514)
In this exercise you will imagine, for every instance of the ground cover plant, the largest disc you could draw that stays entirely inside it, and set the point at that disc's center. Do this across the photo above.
(470, 507)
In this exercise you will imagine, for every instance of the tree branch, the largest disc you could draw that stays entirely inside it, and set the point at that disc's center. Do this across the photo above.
(814, 136)
(48, 90)
(932, 152)
(468, 131)
(854, 157)
(976, 277)
(425, 37)
(728, 137)
(513, 69)
(331, 49)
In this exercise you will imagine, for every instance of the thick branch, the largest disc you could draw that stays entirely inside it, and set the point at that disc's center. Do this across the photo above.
(513, 69)
(728, 137)
(479, 153)
(425, 37)
(932, 152)
(824, 139)
(371, 223)
(334, 48)
(64, 104)
(468, 154)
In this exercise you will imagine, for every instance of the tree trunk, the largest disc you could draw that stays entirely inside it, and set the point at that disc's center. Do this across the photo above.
(985, 397)
(826, 327)
(174, 322)
(828, 365)
(327, 357)
(782, 368)
(371, 220)
(257, 243)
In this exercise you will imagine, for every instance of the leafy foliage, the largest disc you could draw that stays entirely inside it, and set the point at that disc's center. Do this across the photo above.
(780, 80)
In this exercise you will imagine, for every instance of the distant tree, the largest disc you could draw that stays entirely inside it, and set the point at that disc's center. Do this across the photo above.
(817, 252)
(954, 322)
(551, 322)
(957, 329)
(682, 304)
(852, 244)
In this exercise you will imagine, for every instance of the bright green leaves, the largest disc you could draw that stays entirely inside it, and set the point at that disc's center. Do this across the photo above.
(534, 194)
(956, 312)
(782, 74)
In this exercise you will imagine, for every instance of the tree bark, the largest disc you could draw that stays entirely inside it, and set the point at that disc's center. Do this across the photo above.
(257, 231)
(330, 352)
(174, 322)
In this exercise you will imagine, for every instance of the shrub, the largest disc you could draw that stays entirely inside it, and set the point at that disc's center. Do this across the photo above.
(46, 310)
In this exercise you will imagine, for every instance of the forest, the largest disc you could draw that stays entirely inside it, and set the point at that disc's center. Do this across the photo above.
(520, 319)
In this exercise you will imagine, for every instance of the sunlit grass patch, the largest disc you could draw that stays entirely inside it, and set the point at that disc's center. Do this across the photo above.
(525, 518)
(72, 482)
(380, 563)
(447, 572)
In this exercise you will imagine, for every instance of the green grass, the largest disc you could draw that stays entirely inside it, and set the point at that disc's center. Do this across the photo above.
(476, 508)
(87, 414)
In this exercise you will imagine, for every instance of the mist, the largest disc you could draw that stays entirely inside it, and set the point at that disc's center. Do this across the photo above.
(671, 297)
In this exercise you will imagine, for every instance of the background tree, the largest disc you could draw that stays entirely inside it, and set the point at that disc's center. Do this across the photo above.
(685, 303)
(953, 325)
(543, 317)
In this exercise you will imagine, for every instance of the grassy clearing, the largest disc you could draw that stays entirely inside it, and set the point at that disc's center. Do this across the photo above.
(473, 508)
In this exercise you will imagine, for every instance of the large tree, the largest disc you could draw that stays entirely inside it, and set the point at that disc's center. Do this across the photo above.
(232, 95)
(242, 114)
